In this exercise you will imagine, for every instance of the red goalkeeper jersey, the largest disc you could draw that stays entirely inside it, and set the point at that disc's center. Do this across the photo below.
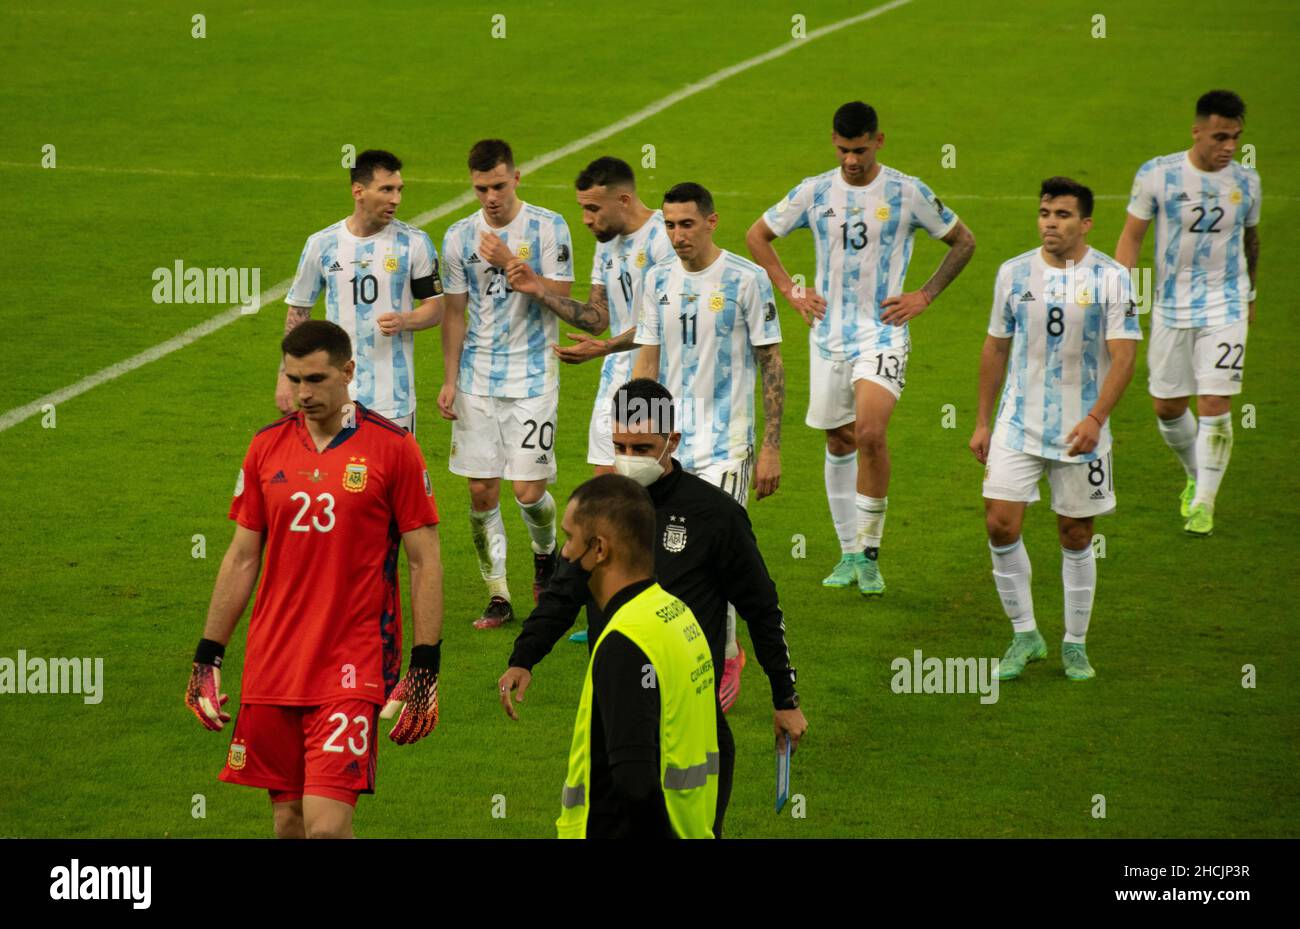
(327, 622)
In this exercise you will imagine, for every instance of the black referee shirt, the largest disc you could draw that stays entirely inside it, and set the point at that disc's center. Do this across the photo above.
(705, 554)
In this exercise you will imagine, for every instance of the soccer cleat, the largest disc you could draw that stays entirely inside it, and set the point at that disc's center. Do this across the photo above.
(730, 688)
(1025, 647)
(845, 572)
(1201, 521)
(1075, 659)
(543, 569)
(1186, 497)
(580, 637)
(498, 613)
(870, 581)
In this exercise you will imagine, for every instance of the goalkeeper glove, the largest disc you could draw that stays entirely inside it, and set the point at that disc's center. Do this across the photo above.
(203, 695)
(416, 695)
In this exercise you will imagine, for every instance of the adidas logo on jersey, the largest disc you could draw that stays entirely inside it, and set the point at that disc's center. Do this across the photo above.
(279, 478)
(663, 301)
(1097, 494)
(541, 459)
(1026, 296)
(830, 212)
(1182, 198)
(472, 259)
(353, 768)
(336, 267)
(1235, 377)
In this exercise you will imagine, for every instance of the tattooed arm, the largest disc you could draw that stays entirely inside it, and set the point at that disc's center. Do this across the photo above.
(592, 316)
(768, 476)
(961, 245)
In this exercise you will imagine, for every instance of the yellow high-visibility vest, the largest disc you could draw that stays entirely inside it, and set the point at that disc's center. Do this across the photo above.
(665, 629)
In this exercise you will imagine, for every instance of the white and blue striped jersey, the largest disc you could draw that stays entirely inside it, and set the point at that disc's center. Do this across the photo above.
(1200, 218)
(364, 278)
(1058, 320)
(508, 339)
(707, 324)
(621, 266)
(863, 239)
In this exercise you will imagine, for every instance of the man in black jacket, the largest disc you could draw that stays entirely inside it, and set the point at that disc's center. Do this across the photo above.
(705, 554)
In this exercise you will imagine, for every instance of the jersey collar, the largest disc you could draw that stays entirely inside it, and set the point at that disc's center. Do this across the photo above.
(344, 434)
(663, 488)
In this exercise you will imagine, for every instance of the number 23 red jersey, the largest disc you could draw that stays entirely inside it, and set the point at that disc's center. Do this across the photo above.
(327, 622)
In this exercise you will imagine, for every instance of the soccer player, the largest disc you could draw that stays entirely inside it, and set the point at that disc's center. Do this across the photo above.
(631, 240)
(501, 383)
(373, 268)
(327, 494)
(1206, 208)
(707, 321)
(864, 217)
(1063, 331)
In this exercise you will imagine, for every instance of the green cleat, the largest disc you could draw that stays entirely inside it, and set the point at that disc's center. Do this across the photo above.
(1075, 659)
(870, 582)
(1025, 647)
(1201, 521)
(845, 572)
(1186, 497)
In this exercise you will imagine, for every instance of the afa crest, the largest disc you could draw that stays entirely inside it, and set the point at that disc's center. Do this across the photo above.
(675, 534)
(390, 263)
(882, 212)
(640, 258)
(354, 476)
(1235, 196)
(717, 300)
(238, 757)
(525, 251)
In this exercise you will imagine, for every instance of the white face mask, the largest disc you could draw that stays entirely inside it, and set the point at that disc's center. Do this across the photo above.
(645, 471)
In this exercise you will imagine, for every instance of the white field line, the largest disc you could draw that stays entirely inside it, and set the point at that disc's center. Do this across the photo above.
(229, 315)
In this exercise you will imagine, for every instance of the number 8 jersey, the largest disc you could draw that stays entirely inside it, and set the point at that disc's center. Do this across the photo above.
(1059, 320)
(327, 622)
(1201, 277)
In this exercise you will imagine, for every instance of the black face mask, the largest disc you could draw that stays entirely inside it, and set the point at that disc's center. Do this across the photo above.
(571, 569)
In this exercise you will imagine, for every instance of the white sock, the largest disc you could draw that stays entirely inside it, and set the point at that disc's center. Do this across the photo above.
(1079, 575)
(841, 472)
(871, 523)
(1180, 435)
(539, 517)
(489, 532)
(732, 648)
(1213, 449)
(1011, 576)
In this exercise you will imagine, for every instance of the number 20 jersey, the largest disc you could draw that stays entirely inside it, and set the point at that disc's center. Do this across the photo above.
(327, 622)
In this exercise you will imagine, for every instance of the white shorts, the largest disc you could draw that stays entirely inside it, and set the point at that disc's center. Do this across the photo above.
(504, 437)
(1080, 489)
(732, 477)
(1208, 361)
(831, 399)
(600, 435)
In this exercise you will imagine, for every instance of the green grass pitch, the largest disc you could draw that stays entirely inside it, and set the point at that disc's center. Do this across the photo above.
(224, 151)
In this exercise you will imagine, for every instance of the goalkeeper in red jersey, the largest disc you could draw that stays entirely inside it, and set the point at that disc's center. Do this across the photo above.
(327, 494)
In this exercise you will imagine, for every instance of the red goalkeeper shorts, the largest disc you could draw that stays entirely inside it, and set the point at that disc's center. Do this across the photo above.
(326, 751)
